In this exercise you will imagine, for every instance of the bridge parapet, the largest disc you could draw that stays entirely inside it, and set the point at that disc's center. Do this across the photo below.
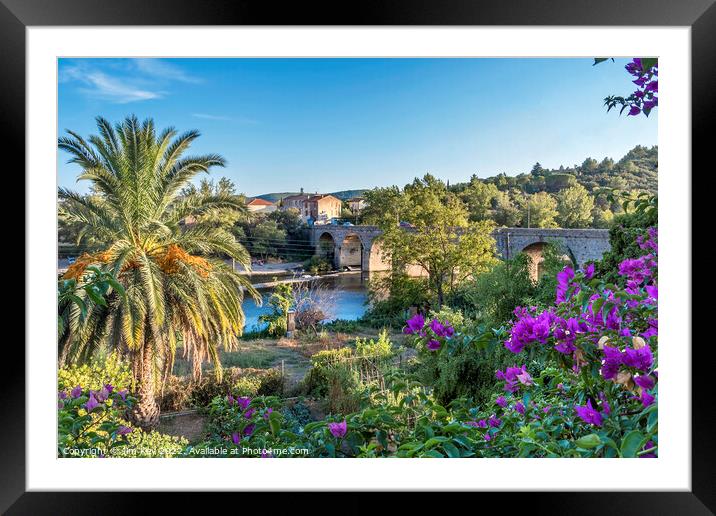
(583, 245)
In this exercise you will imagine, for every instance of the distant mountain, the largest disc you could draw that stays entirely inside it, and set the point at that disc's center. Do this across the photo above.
(343, 195)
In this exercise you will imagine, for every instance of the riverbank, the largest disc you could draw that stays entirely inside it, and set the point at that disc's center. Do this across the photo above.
(269, 268)
(302, 279)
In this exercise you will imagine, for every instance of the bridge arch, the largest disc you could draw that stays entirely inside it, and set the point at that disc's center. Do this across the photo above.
(326, 247)
(351, 251)
(535, 252)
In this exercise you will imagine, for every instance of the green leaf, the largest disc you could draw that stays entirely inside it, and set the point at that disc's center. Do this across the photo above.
(647, 63)
(632, 443)
(598, 60)
(451, 450)
(589, 441)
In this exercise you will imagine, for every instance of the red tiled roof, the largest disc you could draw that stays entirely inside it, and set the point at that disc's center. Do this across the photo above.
(260, 202)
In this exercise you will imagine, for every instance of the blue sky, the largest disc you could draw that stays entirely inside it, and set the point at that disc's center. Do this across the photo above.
(335, 124)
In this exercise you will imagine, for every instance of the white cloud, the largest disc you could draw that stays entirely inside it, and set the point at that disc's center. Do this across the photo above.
(161, 69)
(143, 79)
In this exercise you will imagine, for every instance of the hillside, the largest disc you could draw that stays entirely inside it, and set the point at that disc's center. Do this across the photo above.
(637, 170)
(343, 195)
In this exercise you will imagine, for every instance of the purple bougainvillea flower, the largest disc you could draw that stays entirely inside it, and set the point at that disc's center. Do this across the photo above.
(62, 395)
(488, 437)
(76, 392)
(560, 386)
(501, 401)
(60, 404)
(243, 402)
(519, 407)
(249, 413)
(123, 430)
(613, 359)
(109, 387)
(266, 454)
(236, 438)
(644, 381)
(471, 423)
(249, 429)
(524, 377)
(440, 329)
(494, 421)
(589, 271)
(482, 423)
(91, 403)
(102, 395)
(433, 345)
(646, 398)
(437, 327)
(230, 399)
(588, 414)
(338, 429)
(414, 324)
(268, 413)
(123, 394)
(564, 277)
(634, 110)
(652, 291)
(641, 358)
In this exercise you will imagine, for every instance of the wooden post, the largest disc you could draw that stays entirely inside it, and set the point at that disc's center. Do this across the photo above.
(290, 323)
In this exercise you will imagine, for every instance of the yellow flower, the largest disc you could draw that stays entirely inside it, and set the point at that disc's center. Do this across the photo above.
(109, 402)
(81, 412)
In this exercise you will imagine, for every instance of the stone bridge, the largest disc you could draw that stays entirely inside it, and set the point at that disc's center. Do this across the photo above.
(359, 246)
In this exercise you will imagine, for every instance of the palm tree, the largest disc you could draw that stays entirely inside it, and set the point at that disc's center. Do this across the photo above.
(176, 290)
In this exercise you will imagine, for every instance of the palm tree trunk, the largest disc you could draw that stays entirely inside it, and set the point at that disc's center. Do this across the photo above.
(145, 413)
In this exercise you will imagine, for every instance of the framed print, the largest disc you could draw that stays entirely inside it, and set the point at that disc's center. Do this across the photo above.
(427, 237)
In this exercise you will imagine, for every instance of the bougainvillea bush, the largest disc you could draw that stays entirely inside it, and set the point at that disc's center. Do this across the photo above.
(92, 406)
(595, 391)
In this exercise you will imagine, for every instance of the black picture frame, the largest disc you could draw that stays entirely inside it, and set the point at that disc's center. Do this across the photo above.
(699, 15)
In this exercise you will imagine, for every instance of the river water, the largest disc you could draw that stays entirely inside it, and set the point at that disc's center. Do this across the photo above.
(348, 293)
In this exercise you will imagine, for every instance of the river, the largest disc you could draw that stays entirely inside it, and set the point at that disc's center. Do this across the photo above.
(348, 293)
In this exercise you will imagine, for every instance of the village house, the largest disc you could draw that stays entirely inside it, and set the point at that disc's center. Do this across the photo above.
(356, 204)
(314, 207)
(261, 206)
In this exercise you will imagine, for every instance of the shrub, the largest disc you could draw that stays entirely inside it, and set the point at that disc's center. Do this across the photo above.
(94, 375)
(271, 383)
(391, 296)
(150, 444)
(342, 326)
(322, 371)
(280, 301)
(623, 234)
(91, 424)
(372, 348)
(317, 265)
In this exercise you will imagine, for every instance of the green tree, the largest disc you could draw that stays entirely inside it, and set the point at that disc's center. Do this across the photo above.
(541, 210)
(385, 206)
(266, 238)
(602, 218)
(506, 213)
(479, 198)
(219, 217)
(441, 240)
(575, 206)
(172, 295)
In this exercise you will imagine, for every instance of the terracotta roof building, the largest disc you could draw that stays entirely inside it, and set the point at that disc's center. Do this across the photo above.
(261, 205)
